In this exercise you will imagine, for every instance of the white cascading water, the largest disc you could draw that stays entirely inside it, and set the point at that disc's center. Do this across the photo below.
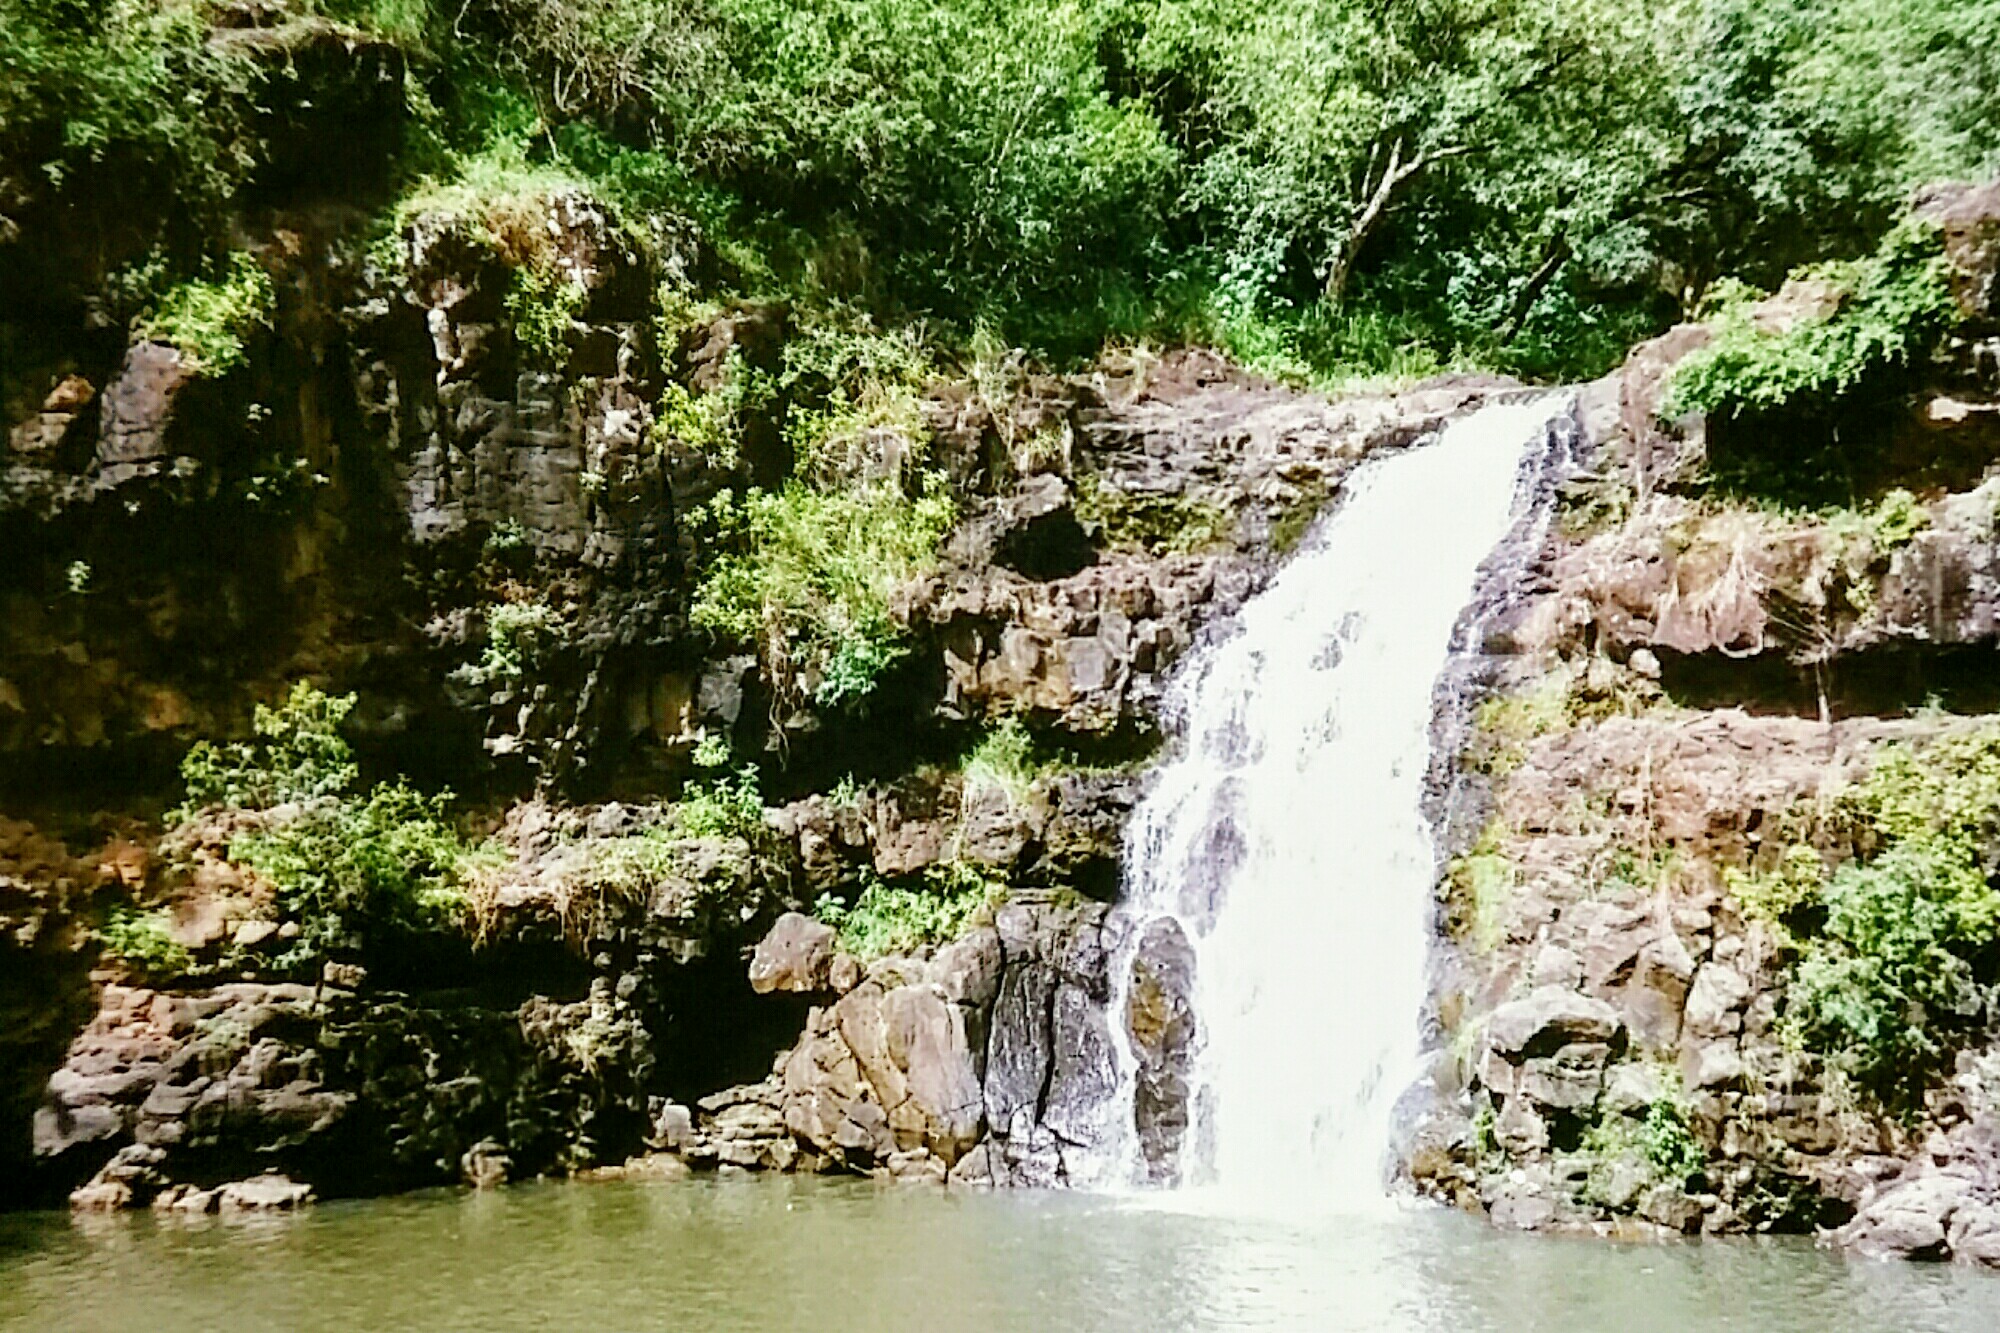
(1286, 836)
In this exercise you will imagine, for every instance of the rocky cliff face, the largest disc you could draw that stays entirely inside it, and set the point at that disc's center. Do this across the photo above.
(1692, 698)
(409, 482)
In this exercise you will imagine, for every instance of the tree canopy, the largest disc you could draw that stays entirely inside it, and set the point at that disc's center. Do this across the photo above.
(1531, 182)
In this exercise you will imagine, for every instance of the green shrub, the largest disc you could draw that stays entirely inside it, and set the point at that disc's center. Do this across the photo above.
(888, 919)
(1661, 1143)
(723, 807)
(144, 942)
(712, 751)
(517, 633)
(1888, 987)
(1003, 758)
(1897, 519)
(808, 578)
(1899, 976)
(354, 872)
(207, 321)
(1776, 895)
(703, 422)
(299, 755)
(350, 869)
(133, 92)
(1892, 307)
(1671, 1149)
(543, 304)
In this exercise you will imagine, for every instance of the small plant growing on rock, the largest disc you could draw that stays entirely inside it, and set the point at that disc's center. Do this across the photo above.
(506, 537)
(704, 422)
(144, 942)
(1773, 896)
(1896, 520)
(516, 633)
(1629, 1154)
(298, 755)
(1004, 758)
(808, 578)
(543, 303)
(711, 752)
(723, 807)
(207, 321)
(1157, 525)
(1505, 725)
(1478, 887)
(890, 919)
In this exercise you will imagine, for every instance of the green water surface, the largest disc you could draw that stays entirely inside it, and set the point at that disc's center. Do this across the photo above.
(777, 1254)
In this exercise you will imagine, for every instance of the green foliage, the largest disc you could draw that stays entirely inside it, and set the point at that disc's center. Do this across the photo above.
(1891, 307)
(506, 537)
(889, 919)
(723, 807)
(1329, 188)
(711, 751)
(1661, 1143)
(298, 755)
(1775, 895)
(350, 869)
(1896, 520)
(405, 22)
(1004, 758)
(808, 576)
(128, 94)
(1898, 975)
(1888, 989)
(702, 421)
(632, 866)
(1505, 725)
(517, 633)
(144, 942)
(1670, 1146)
(208, 321)
(1486, 1134)
(353, 872)
(543, 304)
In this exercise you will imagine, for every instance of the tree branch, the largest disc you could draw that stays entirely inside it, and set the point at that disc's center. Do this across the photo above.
(1559, 253)
(1394, 173)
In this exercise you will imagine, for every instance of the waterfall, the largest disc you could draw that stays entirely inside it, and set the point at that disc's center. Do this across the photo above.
(1279, 872)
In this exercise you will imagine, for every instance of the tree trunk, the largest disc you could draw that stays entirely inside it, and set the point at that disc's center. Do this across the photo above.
(1394, 174)
(1531, 291)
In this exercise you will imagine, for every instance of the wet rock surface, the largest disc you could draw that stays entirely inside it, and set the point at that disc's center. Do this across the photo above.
(1688, 683)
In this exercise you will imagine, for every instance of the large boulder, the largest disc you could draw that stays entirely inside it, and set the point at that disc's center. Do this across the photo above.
(794, 956)
(1944, 1204)
(886, 1070)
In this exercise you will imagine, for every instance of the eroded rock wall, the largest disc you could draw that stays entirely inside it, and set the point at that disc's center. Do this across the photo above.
(1693, 680)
